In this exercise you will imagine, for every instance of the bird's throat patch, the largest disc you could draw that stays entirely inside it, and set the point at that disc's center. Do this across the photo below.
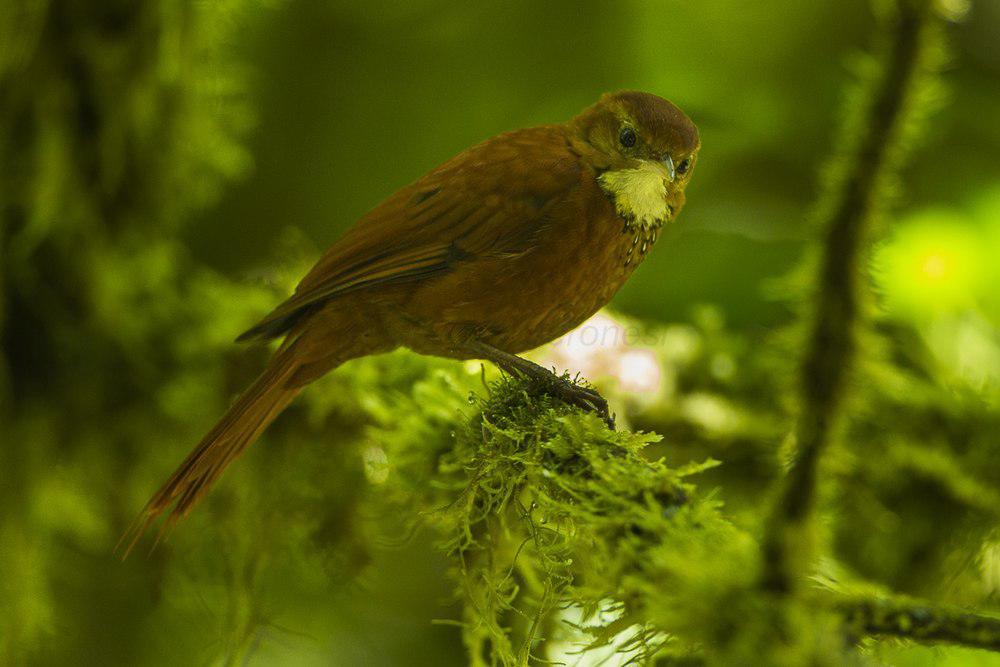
(639, 194)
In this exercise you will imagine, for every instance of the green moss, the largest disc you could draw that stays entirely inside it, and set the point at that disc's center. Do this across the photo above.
(559, 534)
(542, 506)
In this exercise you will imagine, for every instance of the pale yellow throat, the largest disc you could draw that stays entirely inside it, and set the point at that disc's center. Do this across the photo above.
(640, 193)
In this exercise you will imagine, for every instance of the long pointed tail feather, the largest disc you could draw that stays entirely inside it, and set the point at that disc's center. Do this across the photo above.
(243, 423)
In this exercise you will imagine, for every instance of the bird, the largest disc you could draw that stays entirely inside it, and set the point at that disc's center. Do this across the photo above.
(503, 248)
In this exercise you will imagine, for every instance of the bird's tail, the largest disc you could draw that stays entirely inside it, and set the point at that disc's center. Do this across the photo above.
(243, 423)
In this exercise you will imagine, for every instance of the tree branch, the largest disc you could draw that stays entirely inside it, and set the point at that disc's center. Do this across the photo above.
(874, 154)
(921, 622)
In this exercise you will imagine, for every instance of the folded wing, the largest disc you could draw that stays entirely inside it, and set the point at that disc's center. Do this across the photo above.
(491, 199)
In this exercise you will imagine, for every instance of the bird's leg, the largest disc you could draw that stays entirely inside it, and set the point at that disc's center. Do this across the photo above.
(560, 387)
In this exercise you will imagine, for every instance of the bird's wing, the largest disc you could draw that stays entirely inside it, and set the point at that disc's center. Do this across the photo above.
(489, 200)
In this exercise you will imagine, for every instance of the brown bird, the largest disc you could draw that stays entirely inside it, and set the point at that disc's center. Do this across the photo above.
(503, 248)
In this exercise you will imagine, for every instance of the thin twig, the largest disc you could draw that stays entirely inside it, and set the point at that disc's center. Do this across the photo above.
(922, 623)
(832, 343)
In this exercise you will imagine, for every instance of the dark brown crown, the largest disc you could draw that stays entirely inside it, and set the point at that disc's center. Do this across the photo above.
(658, 118)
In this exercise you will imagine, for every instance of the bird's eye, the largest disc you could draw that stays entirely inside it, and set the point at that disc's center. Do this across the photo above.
(683, 166)
(627, 137)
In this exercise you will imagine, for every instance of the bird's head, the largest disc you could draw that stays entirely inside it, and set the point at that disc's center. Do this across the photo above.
(644, 149)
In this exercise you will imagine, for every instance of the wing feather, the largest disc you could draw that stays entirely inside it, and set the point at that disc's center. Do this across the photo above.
(489, 200)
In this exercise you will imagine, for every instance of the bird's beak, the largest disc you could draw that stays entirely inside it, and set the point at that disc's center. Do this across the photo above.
(668, 162)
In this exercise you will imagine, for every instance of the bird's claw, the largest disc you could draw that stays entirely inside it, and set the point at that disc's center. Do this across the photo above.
(580, 396)
(559, 386)
(586, 398)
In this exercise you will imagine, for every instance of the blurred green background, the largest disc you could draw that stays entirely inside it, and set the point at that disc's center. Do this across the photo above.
(169, 168)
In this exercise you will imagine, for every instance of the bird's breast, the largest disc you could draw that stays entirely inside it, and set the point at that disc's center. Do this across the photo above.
(568, 277)
(583, 253)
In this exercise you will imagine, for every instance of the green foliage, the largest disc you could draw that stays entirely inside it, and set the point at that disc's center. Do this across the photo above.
(544, 507)
(117, 120)
(401, 483)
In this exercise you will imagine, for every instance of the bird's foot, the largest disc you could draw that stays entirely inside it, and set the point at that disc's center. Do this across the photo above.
(581, 396)
(561, 387)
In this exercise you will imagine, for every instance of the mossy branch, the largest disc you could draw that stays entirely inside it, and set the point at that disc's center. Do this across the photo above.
(875, 138)
(543, 508)
(558, 527)
(920, 622)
